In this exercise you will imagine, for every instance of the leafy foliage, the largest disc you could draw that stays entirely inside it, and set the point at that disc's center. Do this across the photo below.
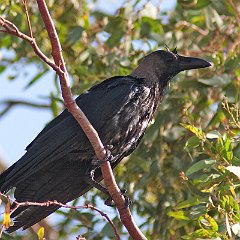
(184, 177)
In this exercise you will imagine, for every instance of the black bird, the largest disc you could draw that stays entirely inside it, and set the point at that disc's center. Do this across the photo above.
(59, 162)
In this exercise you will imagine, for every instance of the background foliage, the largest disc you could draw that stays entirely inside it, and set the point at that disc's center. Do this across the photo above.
(184, 177)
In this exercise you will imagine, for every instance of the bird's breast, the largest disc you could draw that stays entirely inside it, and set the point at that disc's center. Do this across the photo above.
(126, 128)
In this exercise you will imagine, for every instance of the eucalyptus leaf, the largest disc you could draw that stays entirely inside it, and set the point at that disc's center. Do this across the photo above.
(200, 165)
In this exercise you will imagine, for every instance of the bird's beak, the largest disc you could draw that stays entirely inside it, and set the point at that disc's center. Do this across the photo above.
(186, 63)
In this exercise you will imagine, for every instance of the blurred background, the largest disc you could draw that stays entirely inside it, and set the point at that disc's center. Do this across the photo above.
(178, 178)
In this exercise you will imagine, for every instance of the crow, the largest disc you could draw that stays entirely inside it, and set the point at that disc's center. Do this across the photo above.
(60, 163)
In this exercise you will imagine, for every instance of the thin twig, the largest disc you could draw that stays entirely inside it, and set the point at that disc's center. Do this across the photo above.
(10, 103)
(10, 28)
(25, 2)
(193, 26)
(56, 203)
(236, 8)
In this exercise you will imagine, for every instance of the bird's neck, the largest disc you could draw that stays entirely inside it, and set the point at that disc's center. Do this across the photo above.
(152, 78)
(148, 74)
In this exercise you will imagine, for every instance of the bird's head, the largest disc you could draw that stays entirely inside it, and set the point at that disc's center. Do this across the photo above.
(163, 65)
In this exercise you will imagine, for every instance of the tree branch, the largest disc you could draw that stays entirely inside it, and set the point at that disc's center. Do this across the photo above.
(56, 203)
(88, 129)
(24, 2)
(180, 24)
(70, 104)
(10, 103)
(10, 28)
(60, 68)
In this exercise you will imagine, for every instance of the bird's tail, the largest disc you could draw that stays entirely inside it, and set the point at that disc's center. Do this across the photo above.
(3, 187)
(28, 216)
(57, 184)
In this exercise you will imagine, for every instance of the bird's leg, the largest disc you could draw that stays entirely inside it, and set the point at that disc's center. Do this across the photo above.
(109, 202)
(128, 202)
(96, 184)
(100, 187)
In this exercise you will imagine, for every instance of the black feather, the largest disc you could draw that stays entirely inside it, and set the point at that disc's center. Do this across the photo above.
(58, 161)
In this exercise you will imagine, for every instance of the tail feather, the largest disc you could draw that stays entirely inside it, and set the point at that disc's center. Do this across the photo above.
(62, 181)
(30, 216)
(3, 187)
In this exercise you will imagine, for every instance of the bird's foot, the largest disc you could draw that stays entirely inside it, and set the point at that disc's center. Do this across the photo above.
(109, 202)
(109, 157)
(128, 202)
(91, 180)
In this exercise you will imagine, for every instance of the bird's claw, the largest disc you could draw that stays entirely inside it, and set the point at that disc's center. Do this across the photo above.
(109, 156)
(128, 202)
(109, 202)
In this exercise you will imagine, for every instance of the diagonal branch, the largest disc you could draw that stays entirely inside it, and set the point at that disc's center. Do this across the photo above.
(60, 68)
(90, 132)
(70, 104)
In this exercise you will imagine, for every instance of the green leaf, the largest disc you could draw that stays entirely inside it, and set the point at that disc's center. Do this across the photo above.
(34, 80)
(199, 166)
(192, 142)
(236, 161)
(116, 36)
(107, 231)
(213, 135)
(54, 106)
(2, 69)
(212, 222)
(150, 25)
(218, 117)
(209, 18)
(200, 233)
(189, 202)
(198, 210)
(74, 35)
(179, 215)
(198, 132)
(217, 81)
(202, 4)
(218, 20)
(227, 144)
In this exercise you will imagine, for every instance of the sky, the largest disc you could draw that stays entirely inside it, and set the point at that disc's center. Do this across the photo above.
(21, 124)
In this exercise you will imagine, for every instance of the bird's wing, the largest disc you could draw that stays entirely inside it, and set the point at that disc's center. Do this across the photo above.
(59, 182)
(98, 103)
(63, 135)
(50, 170)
